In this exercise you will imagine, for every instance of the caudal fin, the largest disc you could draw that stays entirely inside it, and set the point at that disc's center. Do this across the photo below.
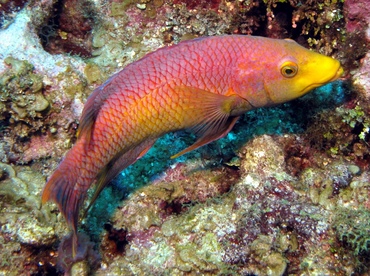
(62, 188)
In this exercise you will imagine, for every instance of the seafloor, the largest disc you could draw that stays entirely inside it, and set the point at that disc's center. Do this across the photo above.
(285, 193)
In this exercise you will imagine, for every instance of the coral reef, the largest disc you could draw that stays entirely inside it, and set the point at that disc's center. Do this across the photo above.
(352, 227)
(86, 257)
(287, 192)
(28, 231)
(8, 10)
(21, 93)
(69, 27)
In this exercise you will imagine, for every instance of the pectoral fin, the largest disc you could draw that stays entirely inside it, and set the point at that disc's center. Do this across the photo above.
(210, 136)
(214, 114)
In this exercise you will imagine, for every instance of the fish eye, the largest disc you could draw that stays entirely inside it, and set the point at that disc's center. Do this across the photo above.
(289, 69)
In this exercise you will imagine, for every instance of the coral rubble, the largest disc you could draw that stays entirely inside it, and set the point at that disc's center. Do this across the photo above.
(287, 192)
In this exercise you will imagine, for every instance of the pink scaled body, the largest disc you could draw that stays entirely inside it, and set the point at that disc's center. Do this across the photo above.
(202, 85)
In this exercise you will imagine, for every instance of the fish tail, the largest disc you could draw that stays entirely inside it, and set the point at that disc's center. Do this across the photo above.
(62, 188)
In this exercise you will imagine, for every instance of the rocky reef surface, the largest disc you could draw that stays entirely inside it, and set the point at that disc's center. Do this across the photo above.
(286, 192)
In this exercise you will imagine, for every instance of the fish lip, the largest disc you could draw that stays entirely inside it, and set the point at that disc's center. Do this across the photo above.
(333, 78)
(339, 73)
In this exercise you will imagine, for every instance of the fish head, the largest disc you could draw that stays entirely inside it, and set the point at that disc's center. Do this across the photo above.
(283, 71)
(297, 73)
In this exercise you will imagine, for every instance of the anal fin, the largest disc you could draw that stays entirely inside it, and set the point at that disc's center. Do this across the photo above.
(118, 163)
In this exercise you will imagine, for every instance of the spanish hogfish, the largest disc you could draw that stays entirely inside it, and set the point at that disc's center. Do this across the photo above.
(203, 85)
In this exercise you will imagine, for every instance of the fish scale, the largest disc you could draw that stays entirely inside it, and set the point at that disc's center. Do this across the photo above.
(202, 85)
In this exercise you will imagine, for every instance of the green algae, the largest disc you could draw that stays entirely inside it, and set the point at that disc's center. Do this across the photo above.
(119, 8)
(352, 227)
(320, 184)
(206, 254)
(351, 218)
(185, 243)
(21, 89)
(93, 73)
(209, 223)
(10, 260)
(356, 117)
(21, 206)
(72, 83)
(149, 7)
(24, 225)
(275, 262)
(159, 254)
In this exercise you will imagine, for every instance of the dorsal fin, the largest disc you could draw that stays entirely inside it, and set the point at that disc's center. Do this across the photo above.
(92, 108)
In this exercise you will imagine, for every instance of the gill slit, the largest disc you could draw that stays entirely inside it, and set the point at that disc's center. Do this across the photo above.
(267, 93)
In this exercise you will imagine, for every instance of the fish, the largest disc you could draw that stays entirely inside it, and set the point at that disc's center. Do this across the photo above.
(202, 85)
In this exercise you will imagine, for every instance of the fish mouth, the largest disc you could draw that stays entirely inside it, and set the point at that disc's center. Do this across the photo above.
(336, 76)
(339, 73)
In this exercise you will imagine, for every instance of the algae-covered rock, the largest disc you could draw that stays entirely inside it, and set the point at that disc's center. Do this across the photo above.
(352, 227)
(23, 107)
(21, 206)
(263, 156)
(21, 89)
(187, 243)
(93, 73)
(23, 223)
